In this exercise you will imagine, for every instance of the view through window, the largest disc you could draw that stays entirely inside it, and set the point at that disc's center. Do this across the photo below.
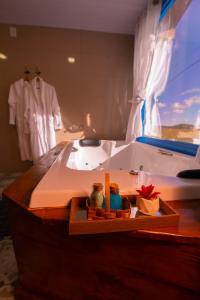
(179, 105)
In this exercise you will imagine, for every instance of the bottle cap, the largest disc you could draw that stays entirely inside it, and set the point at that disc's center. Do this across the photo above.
(98, 185)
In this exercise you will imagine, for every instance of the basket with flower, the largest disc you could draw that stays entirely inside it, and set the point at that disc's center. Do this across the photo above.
(147, 200)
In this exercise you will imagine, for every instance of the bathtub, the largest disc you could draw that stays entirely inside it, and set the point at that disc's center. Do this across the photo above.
(78, 167)
(112, 155)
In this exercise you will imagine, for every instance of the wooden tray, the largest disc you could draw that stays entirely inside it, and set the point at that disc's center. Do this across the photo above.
(78, 223)
(99, 213)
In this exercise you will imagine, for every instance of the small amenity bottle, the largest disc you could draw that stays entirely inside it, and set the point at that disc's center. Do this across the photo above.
(141, 176)
(115, 198)
(96, 197)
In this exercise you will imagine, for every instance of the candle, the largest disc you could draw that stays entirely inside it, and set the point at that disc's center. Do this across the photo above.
(107, 191)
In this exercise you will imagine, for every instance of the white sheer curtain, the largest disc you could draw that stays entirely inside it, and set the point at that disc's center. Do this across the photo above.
(152, 58)
(135, 120)
(160, 85)
(158, 75)
(156, 121)
(143, 54)
(160, 68)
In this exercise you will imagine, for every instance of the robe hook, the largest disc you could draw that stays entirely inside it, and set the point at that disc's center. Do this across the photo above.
(37, 71)
(26, 70)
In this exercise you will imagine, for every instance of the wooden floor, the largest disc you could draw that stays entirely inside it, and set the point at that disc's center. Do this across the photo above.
(5, 180)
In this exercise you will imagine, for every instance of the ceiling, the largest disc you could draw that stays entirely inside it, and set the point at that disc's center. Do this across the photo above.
(116, 16)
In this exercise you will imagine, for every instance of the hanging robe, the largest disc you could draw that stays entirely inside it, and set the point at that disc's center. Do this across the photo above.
(43, 115)
(18, 98)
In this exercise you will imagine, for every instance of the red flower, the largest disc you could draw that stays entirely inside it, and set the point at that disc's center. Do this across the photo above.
(147, 192)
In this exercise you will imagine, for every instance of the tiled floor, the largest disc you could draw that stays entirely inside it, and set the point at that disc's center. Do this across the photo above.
(8, 266)
(8, 269)
(6, 179)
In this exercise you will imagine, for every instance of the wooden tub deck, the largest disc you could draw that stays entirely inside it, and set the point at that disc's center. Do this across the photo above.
(159, 263)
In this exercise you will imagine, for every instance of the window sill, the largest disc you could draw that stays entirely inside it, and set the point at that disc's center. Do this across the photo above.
(180, 147)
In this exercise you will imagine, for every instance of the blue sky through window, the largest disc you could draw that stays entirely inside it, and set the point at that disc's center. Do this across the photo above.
(180, 103)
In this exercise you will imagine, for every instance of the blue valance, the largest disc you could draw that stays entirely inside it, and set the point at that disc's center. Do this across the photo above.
(166, 5)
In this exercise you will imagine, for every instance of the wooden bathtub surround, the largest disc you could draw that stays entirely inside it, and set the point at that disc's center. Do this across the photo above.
(20, 190)
(162, 263)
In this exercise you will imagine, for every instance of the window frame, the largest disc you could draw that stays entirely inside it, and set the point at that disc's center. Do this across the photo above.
(186, 148)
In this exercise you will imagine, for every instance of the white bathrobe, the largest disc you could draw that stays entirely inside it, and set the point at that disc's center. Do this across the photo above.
(18, 98)
(43, 115)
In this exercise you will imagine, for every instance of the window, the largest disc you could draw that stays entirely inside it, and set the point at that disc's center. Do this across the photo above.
(179, 104)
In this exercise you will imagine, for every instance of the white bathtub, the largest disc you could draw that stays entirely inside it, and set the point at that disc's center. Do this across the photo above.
(77, 168)
(92, 157)
(112, 155)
